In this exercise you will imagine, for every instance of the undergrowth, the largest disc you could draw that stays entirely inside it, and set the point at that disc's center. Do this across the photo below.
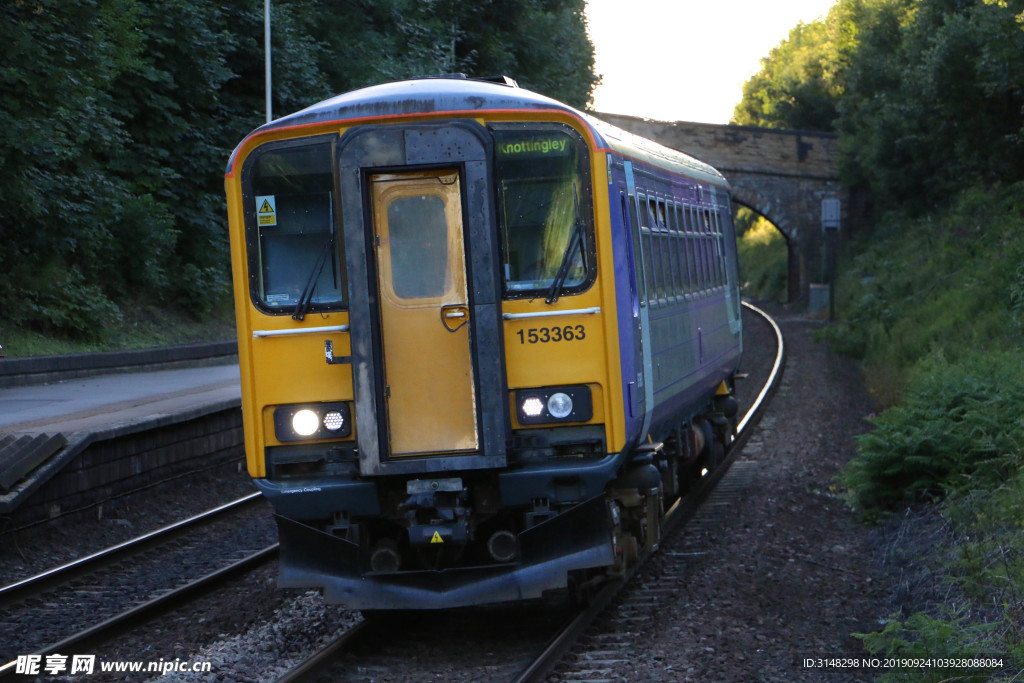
(952, 283)
(960, 426)
(935, 308)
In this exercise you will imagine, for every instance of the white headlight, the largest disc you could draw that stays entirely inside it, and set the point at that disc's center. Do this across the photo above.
(559, 405)
(305, 422)
(334, 420)
(533, 406)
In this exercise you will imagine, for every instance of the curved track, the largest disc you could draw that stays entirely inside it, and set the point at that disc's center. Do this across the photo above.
(377, 641)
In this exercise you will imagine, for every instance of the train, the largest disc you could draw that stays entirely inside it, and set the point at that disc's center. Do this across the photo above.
(485, 341)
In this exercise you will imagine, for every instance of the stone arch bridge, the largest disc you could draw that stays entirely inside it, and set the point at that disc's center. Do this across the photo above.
(781, 174)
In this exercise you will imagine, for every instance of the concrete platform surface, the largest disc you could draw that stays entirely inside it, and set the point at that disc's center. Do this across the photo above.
(97, 404)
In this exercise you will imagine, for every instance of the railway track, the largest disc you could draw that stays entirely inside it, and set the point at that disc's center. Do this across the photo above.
(530, 644)
(107, 593)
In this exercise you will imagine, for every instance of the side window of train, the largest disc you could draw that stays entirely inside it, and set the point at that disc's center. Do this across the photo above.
(657, 252)
(545, 208)
(646, 223)
(708, 238)
(684, 251)
(716, 247)
(628, 223)
(694, 239)
(666, 289)
(676, 257)
(638, 261)
(294, 253)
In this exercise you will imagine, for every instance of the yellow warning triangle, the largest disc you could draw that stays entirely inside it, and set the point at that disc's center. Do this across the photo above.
(266, 208)
(436, 538)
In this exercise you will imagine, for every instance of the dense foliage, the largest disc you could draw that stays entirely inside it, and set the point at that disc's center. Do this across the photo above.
(117, 118)
(928, 95)
(935, 307)
(959, 427)
(928, 99)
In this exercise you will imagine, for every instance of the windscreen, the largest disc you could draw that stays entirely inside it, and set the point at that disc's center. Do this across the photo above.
(545, 199)
(294, 259)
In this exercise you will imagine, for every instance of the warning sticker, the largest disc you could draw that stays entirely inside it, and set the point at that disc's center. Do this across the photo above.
(266, 210)
(436, 538)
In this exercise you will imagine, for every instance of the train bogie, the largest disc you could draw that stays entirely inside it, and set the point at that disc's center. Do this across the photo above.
(484, 340)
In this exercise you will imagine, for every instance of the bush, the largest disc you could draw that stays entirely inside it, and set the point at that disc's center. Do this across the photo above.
(923, 637)
(67, 306)
(960, 426)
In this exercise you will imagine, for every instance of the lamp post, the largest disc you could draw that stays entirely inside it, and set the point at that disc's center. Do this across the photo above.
(266, 44)
(830, 213)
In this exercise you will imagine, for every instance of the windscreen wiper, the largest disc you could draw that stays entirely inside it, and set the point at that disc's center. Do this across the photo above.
(306, 299)
(575, 239)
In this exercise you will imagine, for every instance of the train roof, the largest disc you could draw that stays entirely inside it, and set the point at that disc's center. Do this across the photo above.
(458, 95)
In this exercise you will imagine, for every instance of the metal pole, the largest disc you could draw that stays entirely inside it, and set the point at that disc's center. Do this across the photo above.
(831, 242)
(266, 43)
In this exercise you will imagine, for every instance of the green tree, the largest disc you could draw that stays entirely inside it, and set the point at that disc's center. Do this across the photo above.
(61, 206)
(792, 89)
(935, 99)
(118, 116)
(802, 80)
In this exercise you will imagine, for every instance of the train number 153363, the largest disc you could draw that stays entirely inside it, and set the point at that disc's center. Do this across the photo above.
(543, 335)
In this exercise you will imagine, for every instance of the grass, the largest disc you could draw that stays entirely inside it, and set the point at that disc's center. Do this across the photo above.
(138, 326)
(952, 284)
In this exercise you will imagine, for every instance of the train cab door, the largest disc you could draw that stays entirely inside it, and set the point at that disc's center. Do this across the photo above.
(428, 366)
(424, 313)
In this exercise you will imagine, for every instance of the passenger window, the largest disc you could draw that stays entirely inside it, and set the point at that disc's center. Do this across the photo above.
(712, 251)
(647, 238)
(719, 252)
(676, 257)
(652, 280)
(635, 238)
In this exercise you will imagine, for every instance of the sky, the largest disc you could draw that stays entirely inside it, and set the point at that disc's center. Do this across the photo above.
(686, 60)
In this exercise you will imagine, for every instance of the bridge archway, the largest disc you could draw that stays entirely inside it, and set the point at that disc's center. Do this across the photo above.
(781, 174)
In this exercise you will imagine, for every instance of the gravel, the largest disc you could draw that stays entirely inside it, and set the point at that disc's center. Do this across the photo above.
(790, 574)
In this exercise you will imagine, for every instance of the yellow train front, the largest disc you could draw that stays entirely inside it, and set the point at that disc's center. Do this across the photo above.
(484, 340)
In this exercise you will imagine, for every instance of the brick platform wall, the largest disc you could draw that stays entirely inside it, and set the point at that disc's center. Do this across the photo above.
(113, 467)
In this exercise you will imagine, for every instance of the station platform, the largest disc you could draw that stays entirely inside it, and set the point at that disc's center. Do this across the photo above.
(111, 401)
(94, 432)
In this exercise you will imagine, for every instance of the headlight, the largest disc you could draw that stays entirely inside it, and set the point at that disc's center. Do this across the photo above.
(312, 421)
(305, 422)
(560, 405)
(554, 404)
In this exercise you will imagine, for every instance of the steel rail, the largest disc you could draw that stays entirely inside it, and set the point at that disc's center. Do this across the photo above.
(62, 574)
(308, 668)
(680, 512)
(145, 611)
(777, 367)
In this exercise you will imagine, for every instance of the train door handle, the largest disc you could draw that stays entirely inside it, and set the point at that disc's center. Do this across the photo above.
(454, 314)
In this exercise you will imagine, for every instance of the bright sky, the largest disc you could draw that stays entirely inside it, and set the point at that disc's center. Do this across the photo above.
(686, 60)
